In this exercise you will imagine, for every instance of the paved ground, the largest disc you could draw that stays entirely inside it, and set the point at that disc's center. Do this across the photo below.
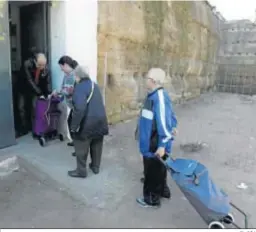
(224, 122)
(29, 199)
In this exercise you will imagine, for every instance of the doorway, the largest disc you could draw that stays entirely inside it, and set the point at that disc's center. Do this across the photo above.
(34, 28)
(29, 28)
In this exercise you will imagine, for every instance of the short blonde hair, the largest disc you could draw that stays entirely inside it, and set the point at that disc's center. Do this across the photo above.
(157, 75)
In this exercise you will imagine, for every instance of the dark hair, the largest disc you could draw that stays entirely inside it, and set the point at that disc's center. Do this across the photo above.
(69, 61)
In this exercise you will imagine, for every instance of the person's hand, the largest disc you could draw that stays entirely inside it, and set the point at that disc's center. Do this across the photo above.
(174, 131)
(42, 97)
(160, 151)
(54, 92)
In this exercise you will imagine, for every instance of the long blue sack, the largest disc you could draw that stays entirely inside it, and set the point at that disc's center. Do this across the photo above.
(194, 181)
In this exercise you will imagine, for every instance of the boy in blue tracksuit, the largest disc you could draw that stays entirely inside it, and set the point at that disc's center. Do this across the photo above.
(155, 127)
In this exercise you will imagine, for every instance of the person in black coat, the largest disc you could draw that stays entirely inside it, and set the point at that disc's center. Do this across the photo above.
(33, 81)
(89, 123)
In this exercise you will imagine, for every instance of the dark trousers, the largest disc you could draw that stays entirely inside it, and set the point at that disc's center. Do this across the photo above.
(144, 166)
(29, 110)
(70, 120)
(19, 125)
(23, 106)
(155, 180)
(82, 150)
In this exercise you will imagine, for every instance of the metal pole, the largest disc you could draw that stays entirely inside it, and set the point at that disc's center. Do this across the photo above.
(105, 77)
(243, 78)
(253, 78)
(224, 89)
(237, 80)
(251, 84)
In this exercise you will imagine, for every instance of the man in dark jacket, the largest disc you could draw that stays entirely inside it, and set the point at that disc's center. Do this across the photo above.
(89, 123)
(34, 81)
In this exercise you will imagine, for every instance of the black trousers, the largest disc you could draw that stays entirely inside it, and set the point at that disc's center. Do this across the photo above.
(29, 110)
(19, 125)
(82, 148)
(69, 120)
(155, 180)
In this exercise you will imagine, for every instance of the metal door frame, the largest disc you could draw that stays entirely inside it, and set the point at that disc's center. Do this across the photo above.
(8, 56)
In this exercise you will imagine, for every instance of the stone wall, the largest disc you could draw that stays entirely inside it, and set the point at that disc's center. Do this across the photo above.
(182, 37)
(237, 72)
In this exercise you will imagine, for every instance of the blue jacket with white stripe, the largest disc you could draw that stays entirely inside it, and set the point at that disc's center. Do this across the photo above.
(156, 123)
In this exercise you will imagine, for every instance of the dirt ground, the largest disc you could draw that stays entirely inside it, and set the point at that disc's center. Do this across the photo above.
(225, 123)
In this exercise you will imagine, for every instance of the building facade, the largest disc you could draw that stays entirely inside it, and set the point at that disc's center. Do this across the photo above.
(57, 28)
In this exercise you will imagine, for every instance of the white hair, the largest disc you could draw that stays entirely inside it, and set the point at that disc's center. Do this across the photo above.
(40, 57)
(157, 75)
(82, 72)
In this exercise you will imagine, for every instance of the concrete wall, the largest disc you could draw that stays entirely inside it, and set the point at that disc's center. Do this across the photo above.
(182, 37)
(70, 37)
(81, 33)
(58, 40)
(237, 71)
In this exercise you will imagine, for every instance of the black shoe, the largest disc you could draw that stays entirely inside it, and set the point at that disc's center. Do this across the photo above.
(74, 173)
(94, 170)
(74, 154)
(70, 144)
(142, 179)
(143, 204)
(166, 193)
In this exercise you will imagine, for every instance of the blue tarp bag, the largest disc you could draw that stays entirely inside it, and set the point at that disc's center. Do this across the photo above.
(194, 181)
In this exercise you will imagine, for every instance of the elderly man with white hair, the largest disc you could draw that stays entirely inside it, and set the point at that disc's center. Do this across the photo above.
(155, 134)
(34, 81)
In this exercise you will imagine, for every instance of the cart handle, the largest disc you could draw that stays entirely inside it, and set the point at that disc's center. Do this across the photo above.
(165, 157)
(243, 213)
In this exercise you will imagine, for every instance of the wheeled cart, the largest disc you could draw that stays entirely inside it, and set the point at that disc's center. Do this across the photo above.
(211, 203)
(46, 121)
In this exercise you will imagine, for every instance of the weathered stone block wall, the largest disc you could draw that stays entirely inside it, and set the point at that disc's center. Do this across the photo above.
(181, 37)
(237, 72)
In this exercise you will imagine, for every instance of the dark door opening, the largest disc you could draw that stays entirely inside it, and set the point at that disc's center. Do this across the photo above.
(28, 29)
(33, 28)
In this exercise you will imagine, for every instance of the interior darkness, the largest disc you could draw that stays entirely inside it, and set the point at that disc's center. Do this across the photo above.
(28, 24)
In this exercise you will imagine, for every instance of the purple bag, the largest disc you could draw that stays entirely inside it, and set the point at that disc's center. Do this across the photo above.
(46, 116)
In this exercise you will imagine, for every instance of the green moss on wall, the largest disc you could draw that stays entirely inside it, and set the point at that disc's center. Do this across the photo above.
(179, 33)
(154, 14)
(181, 10)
